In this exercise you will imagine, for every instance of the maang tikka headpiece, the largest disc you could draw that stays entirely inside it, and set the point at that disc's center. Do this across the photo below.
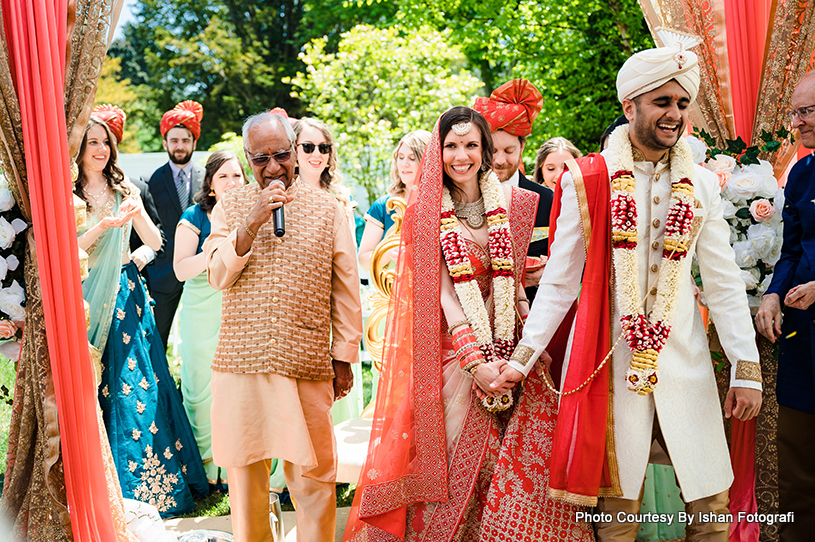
(462, 128)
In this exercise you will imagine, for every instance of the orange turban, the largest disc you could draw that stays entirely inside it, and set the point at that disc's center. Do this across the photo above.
(512, 107)
(188, 114)
(114, 117)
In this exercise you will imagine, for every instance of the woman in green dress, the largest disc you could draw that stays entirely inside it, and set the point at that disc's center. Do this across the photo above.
(200, 316)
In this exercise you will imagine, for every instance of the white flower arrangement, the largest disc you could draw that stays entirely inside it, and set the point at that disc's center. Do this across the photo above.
(12, 292)
(752, 205)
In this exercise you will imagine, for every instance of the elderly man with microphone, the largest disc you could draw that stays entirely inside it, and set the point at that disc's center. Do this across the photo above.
(290, 327)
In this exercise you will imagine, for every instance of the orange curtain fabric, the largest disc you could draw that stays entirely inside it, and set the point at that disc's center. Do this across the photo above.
(746, 22)
(36, 32)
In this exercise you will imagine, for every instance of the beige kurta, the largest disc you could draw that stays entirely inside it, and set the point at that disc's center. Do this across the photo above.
(258, 413)
(686, 399)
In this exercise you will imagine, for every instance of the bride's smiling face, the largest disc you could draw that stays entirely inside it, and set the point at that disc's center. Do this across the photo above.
(462, 155)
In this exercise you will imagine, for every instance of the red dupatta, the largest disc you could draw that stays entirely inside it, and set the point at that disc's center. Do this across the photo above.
(583, 463)
(407, 460)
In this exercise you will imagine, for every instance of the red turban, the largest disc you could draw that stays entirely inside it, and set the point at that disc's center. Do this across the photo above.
(512, 107)
(114, 117)
(282, 112)
(188, 114)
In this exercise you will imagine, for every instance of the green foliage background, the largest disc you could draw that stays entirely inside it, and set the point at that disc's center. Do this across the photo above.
(372, 83)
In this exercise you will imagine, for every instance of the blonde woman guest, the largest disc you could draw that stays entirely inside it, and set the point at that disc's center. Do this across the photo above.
(199, 318)
(318, 164)
(407, 159)
(551, 157)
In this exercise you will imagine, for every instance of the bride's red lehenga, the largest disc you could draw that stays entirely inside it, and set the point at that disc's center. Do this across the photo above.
(440, 467)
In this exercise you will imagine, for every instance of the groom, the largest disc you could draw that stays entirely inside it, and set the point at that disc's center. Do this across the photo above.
(660, 210)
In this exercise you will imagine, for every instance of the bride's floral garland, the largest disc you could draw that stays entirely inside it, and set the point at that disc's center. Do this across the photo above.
(502, 342)
(646, 336)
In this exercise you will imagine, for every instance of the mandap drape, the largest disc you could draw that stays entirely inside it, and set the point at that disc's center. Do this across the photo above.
(54, 464)
(753, 55)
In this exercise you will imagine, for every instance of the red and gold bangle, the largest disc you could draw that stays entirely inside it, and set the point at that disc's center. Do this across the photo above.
(467, 350)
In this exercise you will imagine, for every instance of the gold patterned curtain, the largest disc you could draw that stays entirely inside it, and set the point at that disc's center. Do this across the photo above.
(34, 498)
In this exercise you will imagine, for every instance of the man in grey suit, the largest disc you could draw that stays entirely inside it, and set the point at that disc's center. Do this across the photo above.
(172, 187)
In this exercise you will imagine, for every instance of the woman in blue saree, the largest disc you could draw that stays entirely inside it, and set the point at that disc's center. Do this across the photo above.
(199, 318)
(156, 457)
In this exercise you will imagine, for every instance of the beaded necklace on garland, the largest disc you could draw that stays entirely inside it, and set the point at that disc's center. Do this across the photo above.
(500, 344)
(646, 336)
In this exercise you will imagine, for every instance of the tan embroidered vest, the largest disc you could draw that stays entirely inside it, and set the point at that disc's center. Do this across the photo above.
(277, 316)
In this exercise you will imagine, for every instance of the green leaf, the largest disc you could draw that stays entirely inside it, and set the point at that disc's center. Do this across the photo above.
(744, 213)
(736, 146)
(766, 136)
(716, 355)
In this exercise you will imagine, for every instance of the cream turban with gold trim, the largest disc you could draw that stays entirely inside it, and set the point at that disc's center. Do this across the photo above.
(652, 68)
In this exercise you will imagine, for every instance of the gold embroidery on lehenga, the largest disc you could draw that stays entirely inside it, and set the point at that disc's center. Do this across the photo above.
(131, 466)
(144, 384)
(136, 435)
(120, 314)
(131, 363)
(178, 445)
(125, 338)
(140, 407)
(168, 454)
(126, 389)
(153, 428)
(105, 391)
(157, 484)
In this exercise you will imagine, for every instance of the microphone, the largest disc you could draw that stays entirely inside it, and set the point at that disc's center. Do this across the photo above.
(278, 220)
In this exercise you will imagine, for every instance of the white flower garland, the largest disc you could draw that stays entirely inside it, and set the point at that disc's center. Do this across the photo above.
(647, 336)
(454, 248)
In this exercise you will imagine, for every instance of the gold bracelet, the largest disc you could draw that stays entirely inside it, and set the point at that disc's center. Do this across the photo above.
(248, 231)
(456, 325)
(524, 299)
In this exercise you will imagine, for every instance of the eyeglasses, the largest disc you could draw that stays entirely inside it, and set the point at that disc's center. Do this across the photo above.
(803, 113)
(260, 160)
(308, 148)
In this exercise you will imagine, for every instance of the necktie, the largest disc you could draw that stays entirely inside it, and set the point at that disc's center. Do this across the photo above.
(181, 187)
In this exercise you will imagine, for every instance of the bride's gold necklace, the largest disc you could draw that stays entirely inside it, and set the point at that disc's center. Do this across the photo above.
(474, 213)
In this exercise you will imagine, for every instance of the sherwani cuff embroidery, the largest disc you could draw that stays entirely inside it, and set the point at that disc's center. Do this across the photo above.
(345, 351)
(747, 374)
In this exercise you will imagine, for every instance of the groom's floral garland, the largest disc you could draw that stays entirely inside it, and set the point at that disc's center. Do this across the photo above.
(501, 344)
(646, 336)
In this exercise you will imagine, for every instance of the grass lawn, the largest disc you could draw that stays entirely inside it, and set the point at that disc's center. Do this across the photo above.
(7, 376)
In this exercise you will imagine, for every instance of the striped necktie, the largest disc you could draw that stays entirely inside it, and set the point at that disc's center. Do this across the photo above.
(181, 188)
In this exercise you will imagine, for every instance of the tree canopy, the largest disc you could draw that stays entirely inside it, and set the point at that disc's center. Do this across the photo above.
(238, 57)
(379, 85)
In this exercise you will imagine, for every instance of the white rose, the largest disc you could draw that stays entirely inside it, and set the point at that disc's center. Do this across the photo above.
(11, 300)
(6, 199)
(3, 268)
(7, 234)
(728, 209)
(19, 224)
(11, 350)
(764, 284)
(775, 251)
(744, 185)
(722, 162)
(750, 282)
(769, 184)
(745, 254)
(765, 167)
(699, 149)
(12, 262)
(762, 238)
(778, 201)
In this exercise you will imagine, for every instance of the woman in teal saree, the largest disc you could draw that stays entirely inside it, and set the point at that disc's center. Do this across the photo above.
(152, 444)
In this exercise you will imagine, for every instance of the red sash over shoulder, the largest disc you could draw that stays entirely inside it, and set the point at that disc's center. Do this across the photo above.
(583, 462)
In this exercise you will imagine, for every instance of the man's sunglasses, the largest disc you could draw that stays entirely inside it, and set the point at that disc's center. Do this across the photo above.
(308, 148)
(260, 160)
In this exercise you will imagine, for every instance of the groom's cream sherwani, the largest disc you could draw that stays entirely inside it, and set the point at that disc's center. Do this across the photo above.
(685, 401)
